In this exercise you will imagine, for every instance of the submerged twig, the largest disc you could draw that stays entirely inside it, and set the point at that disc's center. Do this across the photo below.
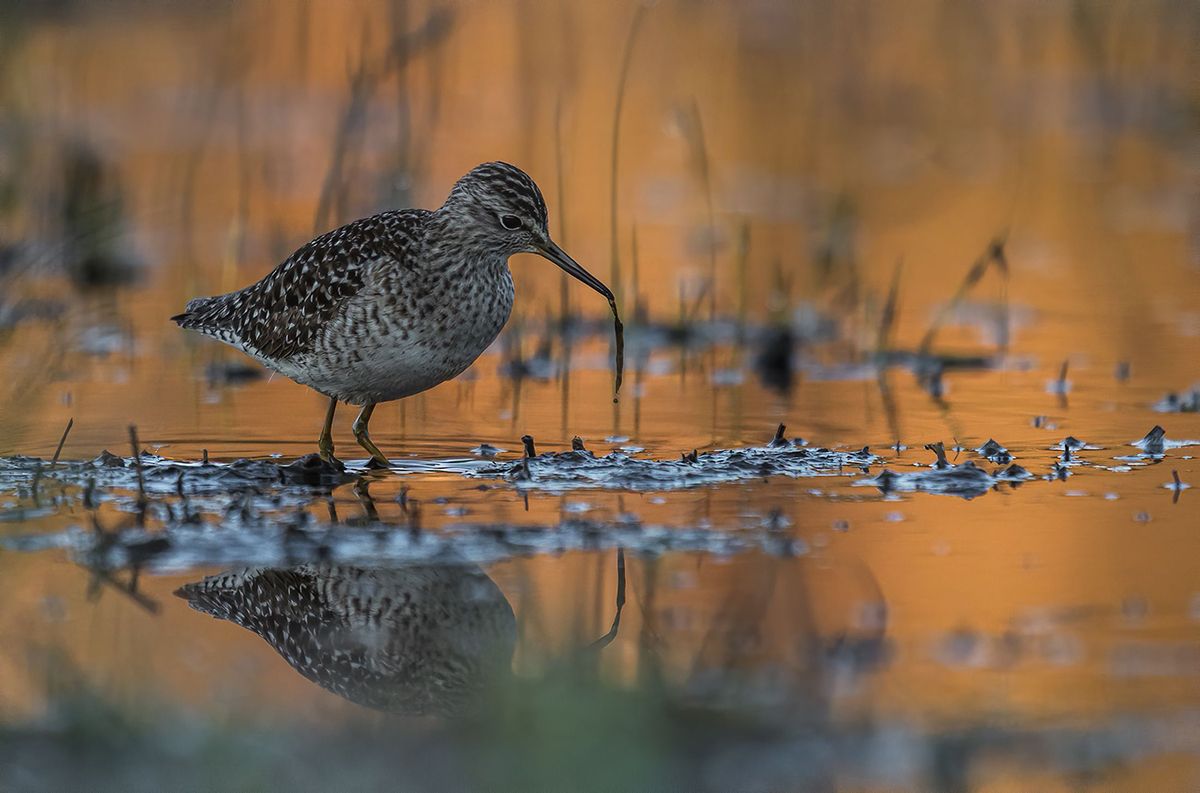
(779, 439)
(1177, 487)
(61, 441)
(137, 465)
(939, 450)
(619, 353)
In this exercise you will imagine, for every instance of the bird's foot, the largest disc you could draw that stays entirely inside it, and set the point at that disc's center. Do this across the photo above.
(378, 461)
(333, 462)
(312, 469)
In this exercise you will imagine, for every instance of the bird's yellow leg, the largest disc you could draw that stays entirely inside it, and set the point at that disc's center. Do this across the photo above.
(364, 440)
(325, 444)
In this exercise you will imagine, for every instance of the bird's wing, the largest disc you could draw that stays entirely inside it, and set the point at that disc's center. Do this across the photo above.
(282, 315)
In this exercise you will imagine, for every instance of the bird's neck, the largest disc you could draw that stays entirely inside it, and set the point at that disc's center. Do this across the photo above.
(455, 242)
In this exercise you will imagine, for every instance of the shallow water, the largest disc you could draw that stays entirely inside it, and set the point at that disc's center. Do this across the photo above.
(822, 609)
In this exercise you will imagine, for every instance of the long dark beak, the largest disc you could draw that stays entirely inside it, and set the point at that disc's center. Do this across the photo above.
(557, 255)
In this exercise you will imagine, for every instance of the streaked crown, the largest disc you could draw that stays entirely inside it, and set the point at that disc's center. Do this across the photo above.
(496, 189)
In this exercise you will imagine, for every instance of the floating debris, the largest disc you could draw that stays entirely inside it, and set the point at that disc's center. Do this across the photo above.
(1060, 386)
(1058, 472)
(1156, 442)
(1176, 486)
(1013, 473)
(1182, 402)
(1154, 446)
(1153, 441)
(311, 469)
(579, 468)
(487, 450)
(108, 476)
(965, 480)
(527, 442)
(1072, 444)
(995, 452)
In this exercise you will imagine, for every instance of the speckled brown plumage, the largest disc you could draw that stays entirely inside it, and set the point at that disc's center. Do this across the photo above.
(416, 640)
(282, 315)
(393, 304)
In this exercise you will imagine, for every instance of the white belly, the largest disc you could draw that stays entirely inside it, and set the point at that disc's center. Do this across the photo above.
(364, 361)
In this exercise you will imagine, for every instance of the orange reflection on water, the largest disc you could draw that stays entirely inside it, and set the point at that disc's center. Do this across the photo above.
(796, 152)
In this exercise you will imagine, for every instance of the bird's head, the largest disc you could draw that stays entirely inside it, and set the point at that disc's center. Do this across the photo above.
(500, 208)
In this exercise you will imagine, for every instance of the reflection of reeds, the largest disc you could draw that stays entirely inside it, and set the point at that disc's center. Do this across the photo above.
(836, 252)
(742, 272)
(370, 72)
(887, 319)
(23, 396)
(135, 448)
(636, 275)
(693, 132)
(993, 256)
(614, 168)
(230, 69)
(608, 637)
(560, 188)
(346, 138)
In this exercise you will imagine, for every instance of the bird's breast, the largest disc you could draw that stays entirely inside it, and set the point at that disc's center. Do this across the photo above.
(411, 338)
(463, 315)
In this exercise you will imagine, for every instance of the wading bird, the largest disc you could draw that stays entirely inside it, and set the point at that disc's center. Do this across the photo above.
(393, 304)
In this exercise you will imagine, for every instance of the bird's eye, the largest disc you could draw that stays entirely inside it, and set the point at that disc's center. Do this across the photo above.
(510, 222)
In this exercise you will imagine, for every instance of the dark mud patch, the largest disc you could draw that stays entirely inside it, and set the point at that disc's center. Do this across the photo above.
(580, 468)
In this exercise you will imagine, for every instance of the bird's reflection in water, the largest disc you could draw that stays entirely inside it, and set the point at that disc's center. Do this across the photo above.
(409, 640)
(440, 640)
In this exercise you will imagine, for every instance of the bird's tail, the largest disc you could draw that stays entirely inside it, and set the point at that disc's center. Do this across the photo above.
(212, 316)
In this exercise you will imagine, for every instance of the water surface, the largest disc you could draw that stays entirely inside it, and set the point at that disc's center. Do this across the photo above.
(788, 622)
